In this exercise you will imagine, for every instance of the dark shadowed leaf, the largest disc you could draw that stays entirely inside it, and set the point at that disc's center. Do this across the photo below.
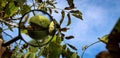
(77, 16)
(68, 50)
(64, 29)
(76, 11)
(69, 37)
(78, 56)
(56, 11)
(74, 48)
(0, 33)
(51, 3)
(64, 46)
(71, 5)
(1, 30)
(38, 1)
(62, 18)
(64, 53)
(70, 2)
(69, 19)
(68, 8)
(113, 44)
(62, 36)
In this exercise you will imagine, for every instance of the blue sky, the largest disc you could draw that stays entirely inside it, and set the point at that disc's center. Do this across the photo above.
(99, 17)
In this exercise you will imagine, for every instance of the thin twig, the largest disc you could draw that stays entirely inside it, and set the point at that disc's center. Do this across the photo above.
(33, 4)
(88, 47)
(12, 24)
(7, 34)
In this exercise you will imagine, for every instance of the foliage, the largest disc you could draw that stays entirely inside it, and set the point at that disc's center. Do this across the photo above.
(11, 12)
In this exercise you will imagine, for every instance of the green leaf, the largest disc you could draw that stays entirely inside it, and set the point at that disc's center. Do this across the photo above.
(74, 48)
(77, 15)
(13, 56)
(24, 31)
(69, 19)
(41, 52)
(2, 3)
(104, 39)
(27, 54)
(54, 50)
(51, 27)
(19, 55)
(25, 9)
(16, 48)
(33, 49)
(32, 55)
(54, 39)
(10, 10)
(62, 18)
(74, 55)
(44, 8)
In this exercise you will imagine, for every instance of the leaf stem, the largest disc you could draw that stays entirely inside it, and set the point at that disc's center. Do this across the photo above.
(88, 47)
